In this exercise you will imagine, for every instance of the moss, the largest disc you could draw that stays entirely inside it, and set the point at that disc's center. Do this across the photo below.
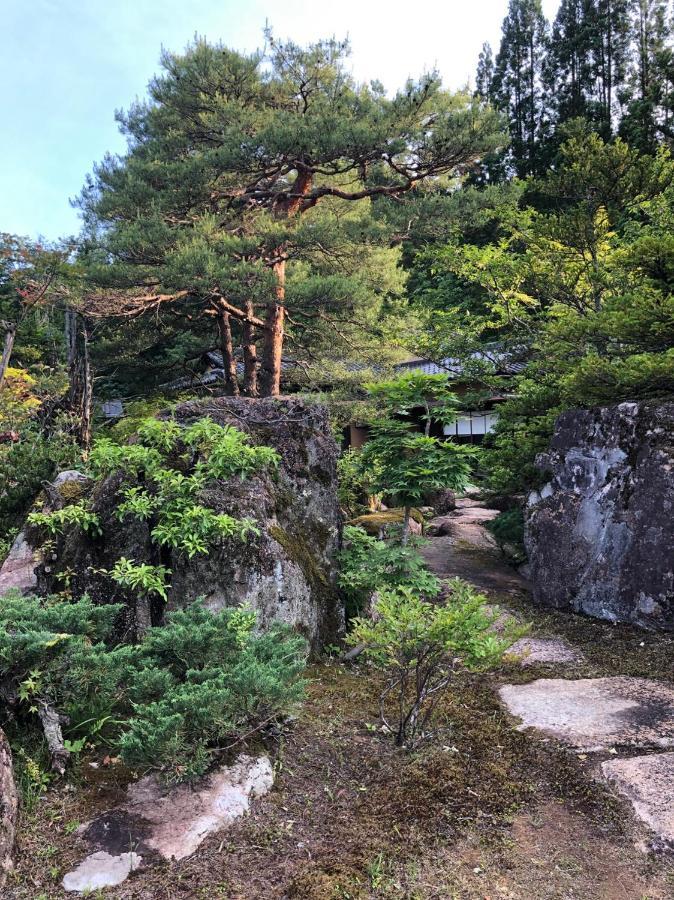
(373, 523)
(72, 491)
(299, 552)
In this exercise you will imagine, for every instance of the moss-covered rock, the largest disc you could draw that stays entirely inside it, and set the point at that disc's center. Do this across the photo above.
(379, 524)
(287, 573)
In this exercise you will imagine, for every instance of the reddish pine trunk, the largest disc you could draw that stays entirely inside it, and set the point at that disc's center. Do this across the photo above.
(270, 370)
(228, 361)
(249, 355)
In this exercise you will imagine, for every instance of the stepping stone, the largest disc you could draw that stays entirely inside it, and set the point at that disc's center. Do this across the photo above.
(544, 650)
(101, 870)
(161, 822)
(594, 714)
(648, 783)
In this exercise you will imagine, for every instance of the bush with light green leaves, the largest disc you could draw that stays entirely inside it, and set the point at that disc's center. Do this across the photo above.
(420, 646)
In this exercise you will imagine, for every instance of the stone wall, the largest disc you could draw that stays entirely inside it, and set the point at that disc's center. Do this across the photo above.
(600, 534)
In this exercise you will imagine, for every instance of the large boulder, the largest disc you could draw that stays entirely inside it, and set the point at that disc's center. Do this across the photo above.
(600, 535)
(286, 574)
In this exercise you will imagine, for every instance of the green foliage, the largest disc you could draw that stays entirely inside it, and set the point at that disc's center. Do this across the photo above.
(193, 687)
(169, 498)
(401, 463)
(508, 529)
(144, 579)
(420, 645)
(352, 484)
(368, 565)
(75, 514)
(28, 462)
(415, 391)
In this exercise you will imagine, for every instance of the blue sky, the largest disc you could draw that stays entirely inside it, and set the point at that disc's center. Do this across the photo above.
(66, 65)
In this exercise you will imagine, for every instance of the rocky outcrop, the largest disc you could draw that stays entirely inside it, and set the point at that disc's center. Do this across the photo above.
(287, 573)
(600, 534)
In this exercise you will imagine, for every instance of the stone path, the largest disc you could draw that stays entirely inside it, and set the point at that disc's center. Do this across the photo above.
(629, 718)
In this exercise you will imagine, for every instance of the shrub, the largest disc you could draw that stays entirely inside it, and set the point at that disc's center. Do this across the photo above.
(420, 646)
(368, 565)
(193, 687)
(508, 529)
(352, 488)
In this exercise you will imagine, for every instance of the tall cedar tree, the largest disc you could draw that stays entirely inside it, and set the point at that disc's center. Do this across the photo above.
(648, 118)
(237, 150)
(517, 84)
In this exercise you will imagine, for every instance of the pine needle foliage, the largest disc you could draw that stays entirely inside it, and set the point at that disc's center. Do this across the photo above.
(191, 689)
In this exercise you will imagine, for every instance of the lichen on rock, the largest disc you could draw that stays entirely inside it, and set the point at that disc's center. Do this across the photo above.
(600, 535)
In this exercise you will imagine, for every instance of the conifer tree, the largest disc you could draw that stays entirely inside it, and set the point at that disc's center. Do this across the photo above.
(517, 86)
(648, 119)
(240, 165)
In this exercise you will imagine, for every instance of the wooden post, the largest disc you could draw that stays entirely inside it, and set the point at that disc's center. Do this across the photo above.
(80, 393)
(9, 807)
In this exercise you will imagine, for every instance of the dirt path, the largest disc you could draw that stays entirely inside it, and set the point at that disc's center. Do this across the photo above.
(621, 710)
(469, 551)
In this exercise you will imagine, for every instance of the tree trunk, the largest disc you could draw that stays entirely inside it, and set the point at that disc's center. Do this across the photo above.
(404, 540)
(249, 354)
(51, 721)
(270, 370)
(10, 334)
(80, 393)
(227, 347)
(9, 807)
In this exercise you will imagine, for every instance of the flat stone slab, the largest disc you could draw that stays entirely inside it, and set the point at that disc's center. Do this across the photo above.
(594, 714)
(160, 822)
(648, 783)
(101, 870)
(549, 651)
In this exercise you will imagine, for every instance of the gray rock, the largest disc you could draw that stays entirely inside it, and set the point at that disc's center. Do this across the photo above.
(287, 574)
(648, 783)
(159, 821)
(600, 535)
(594, 714)
(101, 870)
(18, 570)
(552, 651)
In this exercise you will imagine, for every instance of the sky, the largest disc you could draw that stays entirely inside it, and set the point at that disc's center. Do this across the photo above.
(67, 65)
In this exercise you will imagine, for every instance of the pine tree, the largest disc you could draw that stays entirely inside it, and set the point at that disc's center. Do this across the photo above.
(484, 75)
(241, 168)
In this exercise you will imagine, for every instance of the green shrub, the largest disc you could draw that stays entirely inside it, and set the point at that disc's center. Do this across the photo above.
(421, 645)
(24, 465)
(352, 486)
(192, 688)
(368, 565)
(508, 530)
(75, 514)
